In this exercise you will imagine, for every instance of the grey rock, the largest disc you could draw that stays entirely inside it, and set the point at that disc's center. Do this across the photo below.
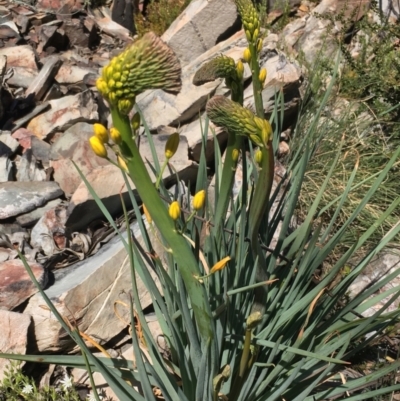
(200, 27)
(22, 197)
(15, 284)
(30, 169)
(8, 145)
(86, 292)
(64, 113)
(6, 169)
(30, 218)
(13, 336)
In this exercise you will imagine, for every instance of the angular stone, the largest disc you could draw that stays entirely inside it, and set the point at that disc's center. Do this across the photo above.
(73, 145)
(30, 218)
(13, 335)
(108, 183)
(72, 74)
(15, 284)
(22, 197)
(6, 169)
(194, 133)
(200, 26)
(64, 113)
(8, 145)
(29, 169)
(20, 56)
(161, 108)
(85, 293)
(49, 232)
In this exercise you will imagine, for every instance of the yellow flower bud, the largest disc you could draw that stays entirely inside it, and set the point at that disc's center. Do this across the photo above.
(101, 132)
(259, 45)
(255, 35)
(122, 164)
(174, 210)
(135, 122)
(247, 55)
(125, 105)
(248, 35)
(262, 76)
(199, 200)
(115, 135)
(147, 214)
(220, 265)
(258, 157)
(240, 69)
(235, 155)
(98, 147)
(172, 145)
(266, 133)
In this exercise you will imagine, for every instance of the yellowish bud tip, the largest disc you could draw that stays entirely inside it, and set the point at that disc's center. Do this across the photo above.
(122, 163)
(199, 200)
(235, 155)
(247, 55)
(240, 69)
(220, 265)
(258, 156)
(266, 132)
(255, 35)
(259, 45)
(172, 145)
(135, 122)
(262, 76)
(147, 214)
(125, 105)
(100, 131)
(98, 147)
(174, 210)
(115, 136)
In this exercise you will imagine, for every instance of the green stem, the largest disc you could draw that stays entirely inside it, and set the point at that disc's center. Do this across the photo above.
(257, 86)
(182, 252)
(229, 169)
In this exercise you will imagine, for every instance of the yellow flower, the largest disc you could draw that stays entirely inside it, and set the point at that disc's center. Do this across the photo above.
(100, 131)
(147, 214)
(122, 164)
(240, 69)
(235, 155)
(174, 210)
(199, 200)
(263, 75)
(258, 157)
(247, 55)
(220, 265)
(115, 135)
(135, 122)
(98, 147)
(172, 145)
(259, 45)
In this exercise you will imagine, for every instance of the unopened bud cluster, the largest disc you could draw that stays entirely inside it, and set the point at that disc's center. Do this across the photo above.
(239, 120)
(146, 64)
(250, 19)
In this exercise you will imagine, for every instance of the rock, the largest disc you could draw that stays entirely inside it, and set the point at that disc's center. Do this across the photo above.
(60, 6)
(377, 269)
(194, 133)
(15, 284)
(108, 183)
(86, 293)
(13, 335)
(72, 74)
(200, 27)
(30, 169)
(73, 145)
(22, 197)
(6, 169)
(283, 149)
(30, 218)
(8, 145)
(64, 113)
(48, 234)
(20, 56)
(161, 108)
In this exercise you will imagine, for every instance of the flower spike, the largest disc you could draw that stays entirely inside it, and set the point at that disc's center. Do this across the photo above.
(146, 64)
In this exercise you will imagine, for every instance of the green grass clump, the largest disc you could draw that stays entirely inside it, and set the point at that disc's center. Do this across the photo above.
(160, 15)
